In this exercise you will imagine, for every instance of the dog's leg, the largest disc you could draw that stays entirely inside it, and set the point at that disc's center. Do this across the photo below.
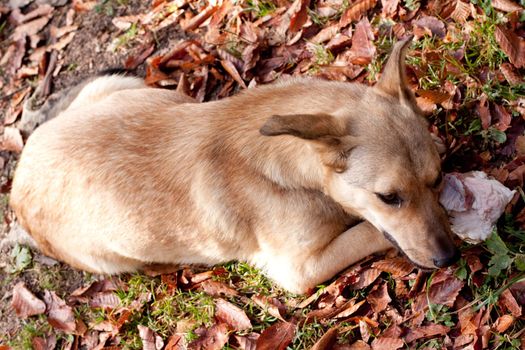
(300, 273)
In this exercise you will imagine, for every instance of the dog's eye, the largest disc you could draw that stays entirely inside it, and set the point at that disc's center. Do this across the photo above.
(390, 199)
(438, 181)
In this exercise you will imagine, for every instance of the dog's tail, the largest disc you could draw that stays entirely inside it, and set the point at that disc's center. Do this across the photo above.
(87, 92)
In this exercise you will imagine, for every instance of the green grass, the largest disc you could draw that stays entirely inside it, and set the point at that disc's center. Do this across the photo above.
(260, 8)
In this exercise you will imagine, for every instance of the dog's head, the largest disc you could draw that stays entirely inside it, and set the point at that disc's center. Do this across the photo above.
(381, 163)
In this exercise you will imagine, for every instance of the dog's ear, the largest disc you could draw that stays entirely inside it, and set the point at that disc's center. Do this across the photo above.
(328, 133)
(393, 81)
(323, 128)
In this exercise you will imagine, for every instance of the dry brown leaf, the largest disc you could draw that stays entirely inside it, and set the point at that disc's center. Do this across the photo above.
(247, 342)
(105, 300)
(363, 49)
(506, 5)
(213, 338)
(26, 303)
(233, 316)
(512, 45)
(510, 74)
(445, 291)
(461, 12)
(215, 288)
(39, 343)
(229, 67)
(434, 25)
(298, 15)
(503, 323)
(389, 8)
(150, 340)
(387, 343)
(482, 108)
(59, 315)
(349, 308)
(355, 11)
(426, 331)
(196, 21)
(272, 305)
(276, 337)
(175, 342)
(398, 267)
(366, 277)
(41, 10)
(426, 105)
(365, 331)
(378, 298)
(12, 140)
(507, 299)
(327, 341)
(502, 118)
(30, 28)
(359, 345)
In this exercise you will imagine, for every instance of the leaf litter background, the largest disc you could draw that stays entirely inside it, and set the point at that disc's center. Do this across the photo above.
(466, 67)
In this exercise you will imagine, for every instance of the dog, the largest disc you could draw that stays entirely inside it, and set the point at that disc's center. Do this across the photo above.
(300, 178)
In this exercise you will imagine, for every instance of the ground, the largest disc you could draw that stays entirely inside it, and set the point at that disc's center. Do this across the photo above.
(466, 67)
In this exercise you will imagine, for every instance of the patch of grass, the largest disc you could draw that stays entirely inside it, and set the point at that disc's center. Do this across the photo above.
(412, 5)
(260, 8)
(108, 7)
(308, 333)
(248, 279)
(32, 327)
(125, 39)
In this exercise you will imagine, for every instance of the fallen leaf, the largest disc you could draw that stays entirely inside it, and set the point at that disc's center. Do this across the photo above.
(298, 15)
(378, 298)
(276, 337)
(355, 11)
(387, 343)
(30, 28)
(510, 74)
(483, 111)
(231, 315)
(359, 345)
(366, 277)
(365, 331)
(232, 71)
(198, 19)
(150, 340)
(398, 267)
(434, 25)
(12, 140)
(512, 45)
(506, 5)
(503, 323)
(175, 342)
(247, 342)
(213, 338)
(507, 299)
(426, 331)
(26, 303)
(327, 341)
(389, 8)
(272, 305)
(502, 118)
(59, 315)
(215, 288)
(363, 48)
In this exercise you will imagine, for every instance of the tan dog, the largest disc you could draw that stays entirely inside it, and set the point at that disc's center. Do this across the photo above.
(281, 176)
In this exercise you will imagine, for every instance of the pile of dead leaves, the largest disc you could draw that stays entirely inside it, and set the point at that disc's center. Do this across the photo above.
(466, 67)
(378, 304)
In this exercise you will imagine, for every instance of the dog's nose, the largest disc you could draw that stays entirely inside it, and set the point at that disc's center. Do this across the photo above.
(449, 259)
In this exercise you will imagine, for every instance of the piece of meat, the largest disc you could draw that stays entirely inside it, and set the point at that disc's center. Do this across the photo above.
(474, 203)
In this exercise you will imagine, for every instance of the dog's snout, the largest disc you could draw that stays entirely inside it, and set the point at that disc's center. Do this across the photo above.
(448, 259)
